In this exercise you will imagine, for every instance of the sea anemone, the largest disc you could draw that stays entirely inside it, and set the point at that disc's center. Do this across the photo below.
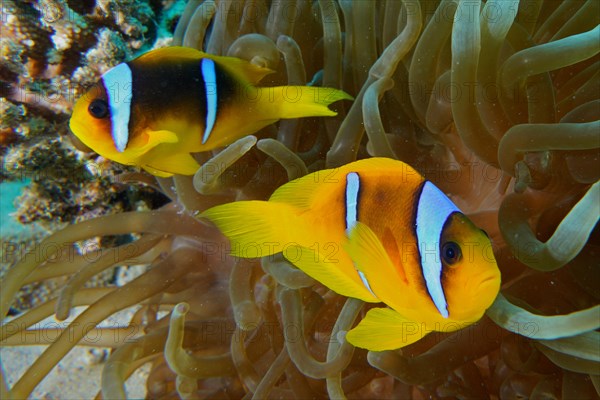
(496, 103)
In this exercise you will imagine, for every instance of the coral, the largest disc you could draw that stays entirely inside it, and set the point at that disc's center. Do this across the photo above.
(494, 102)
(52, 50)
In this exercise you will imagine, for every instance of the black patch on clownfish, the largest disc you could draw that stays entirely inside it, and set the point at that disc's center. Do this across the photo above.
(415, 203)
(174, 88)
(381, 195)
(378, 195)
(372, 193)
(227, 87)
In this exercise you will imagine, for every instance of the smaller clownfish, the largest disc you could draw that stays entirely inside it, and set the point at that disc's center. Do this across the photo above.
(375, 230)
(155, 110)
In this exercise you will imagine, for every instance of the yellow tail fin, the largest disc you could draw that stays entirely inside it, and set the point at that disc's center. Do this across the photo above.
(302, 101)
(258, 228)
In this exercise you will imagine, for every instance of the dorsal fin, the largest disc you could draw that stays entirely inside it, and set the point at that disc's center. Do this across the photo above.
(242, 69)
(303, 192)
(167, 52)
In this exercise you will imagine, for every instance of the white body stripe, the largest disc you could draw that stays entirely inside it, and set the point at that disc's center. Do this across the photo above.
(210, 86)
(118, 84)
(433, 210)
(352, 189)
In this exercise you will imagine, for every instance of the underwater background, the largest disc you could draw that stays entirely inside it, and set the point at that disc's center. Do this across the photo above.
(496, 102)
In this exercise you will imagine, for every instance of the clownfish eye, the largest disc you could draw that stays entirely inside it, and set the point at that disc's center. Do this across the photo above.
(98, 108)
(451, 253)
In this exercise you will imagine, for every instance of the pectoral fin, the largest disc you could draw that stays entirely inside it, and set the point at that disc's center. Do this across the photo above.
(157, 137)
(370, 257)
(147, 141)
(385, 329)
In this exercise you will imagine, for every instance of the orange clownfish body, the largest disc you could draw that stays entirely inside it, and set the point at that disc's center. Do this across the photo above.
(375, 230)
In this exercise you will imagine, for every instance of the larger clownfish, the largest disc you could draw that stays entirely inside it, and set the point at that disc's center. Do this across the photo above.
(375, 230)
(155, 110)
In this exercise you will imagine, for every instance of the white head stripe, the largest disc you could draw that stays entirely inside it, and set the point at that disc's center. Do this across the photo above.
(118, 85)
(352, 189)
(433, 210)
(210, 87)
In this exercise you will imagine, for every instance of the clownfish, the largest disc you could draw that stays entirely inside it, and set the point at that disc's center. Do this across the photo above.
(155, 110)
(375, 230)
